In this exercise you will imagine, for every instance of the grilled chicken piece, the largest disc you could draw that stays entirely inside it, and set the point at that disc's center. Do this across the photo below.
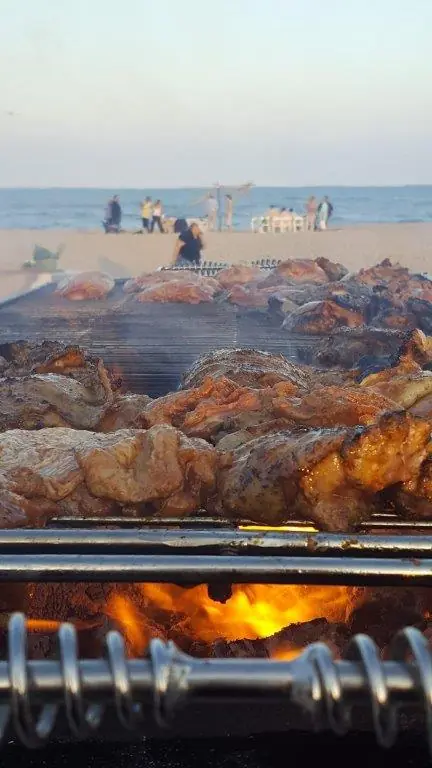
(327, 476)
(249, 296)
(22, 358)
(123, 412)
(333, 269)
(239, 274)
(333, 406)
(301, 271)
(60, 469)
(49, 400)
(405, 383)
(321, 317)
(359, 347)
(399, 283)
(85, 286)
(247, 367)
(140, 283)
(50, 385)
(217, 405)
(179, 291)
(413, 498)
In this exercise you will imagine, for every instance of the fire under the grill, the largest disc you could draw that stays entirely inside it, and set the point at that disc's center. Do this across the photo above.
(224, 573)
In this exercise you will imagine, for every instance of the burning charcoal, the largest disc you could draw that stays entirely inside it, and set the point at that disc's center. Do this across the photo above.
(387, 611)
(291, 639)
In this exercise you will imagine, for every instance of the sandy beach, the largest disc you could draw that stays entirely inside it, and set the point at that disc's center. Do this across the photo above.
(128, 255)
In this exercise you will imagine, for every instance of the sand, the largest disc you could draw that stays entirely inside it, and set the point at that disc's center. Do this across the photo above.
(128, 255)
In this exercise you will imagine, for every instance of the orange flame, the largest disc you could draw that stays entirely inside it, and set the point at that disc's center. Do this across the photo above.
(253, 611)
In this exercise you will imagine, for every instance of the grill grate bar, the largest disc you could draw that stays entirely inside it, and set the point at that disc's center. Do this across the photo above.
(236, 569)
(195, 542)
(34, 693)
(382, 521)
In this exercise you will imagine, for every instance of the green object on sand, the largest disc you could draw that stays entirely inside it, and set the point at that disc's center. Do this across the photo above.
(43, 259)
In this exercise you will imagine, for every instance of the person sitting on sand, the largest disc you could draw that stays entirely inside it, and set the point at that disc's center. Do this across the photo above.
(146, 214)
(188, 247)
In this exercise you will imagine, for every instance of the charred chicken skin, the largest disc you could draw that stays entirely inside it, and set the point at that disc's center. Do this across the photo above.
(328, 476)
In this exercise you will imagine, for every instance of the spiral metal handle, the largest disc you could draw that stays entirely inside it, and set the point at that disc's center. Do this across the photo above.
(327, 701)
(33, 694)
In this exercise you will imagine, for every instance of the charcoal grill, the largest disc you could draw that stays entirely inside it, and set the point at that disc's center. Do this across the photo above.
(158, 693)
(168, 692)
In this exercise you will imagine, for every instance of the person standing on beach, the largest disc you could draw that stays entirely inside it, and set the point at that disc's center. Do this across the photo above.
(229, 211)
(188, 247)
(324, 212)
(311, 212)
(146, 214)
(212, 209)
(113, 215)
(157, 216)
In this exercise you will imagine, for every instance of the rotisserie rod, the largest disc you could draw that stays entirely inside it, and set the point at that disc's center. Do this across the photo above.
(34, 693)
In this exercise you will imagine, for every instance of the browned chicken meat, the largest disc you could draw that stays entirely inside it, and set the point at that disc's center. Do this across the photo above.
(239, 274)
(359, 347)
(52, 386)
(85, 285)
(322, 317)
(217, 405)
(178, 291)
(124, 411)
(414, 497)
(328, 476)
(301, 271)
(247, 367)
(64, 471)
(152, 279)
(333, 269)
(249, 296)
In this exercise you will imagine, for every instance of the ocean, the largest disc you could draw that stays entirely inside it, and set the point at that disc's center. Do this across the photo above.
(84, 208)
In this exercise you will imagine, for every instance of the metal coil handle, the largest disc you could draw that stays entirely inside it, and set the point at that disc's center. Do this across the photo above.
(314, 681)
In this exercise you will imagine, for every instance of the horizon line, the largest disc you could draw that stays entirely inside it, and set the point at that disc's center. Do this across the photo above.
(210, 186)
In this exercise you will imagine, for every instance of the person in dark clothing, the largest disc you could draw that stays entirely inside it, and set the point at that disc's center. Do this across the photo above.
(180, 226)
(189, 246)
(113, 216)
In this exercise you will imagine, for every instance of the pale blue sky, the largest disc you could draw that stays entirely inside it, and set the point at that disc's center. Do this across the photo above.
(188, 92)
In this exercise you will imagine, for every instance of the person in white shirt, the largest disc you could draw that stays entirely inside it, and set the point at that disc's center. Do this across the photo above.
(212, 210)
(157, 217)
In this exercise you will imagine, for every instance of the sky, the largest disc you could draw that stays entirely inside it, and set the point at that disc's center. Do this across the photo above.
(133, 93)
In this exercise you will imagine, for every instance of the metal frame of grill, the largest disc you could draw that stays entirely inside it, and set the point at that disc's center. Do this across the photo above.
(313, 690)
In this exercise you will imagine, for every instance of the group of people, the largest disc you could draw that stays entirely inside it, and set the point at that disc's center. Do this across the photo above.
(212, 210)
(317, 213)
(151, 215)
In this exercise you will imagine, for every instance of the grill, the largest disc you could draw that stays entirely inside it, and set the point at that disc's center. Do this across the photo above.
(168, 692)
(163, 692)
